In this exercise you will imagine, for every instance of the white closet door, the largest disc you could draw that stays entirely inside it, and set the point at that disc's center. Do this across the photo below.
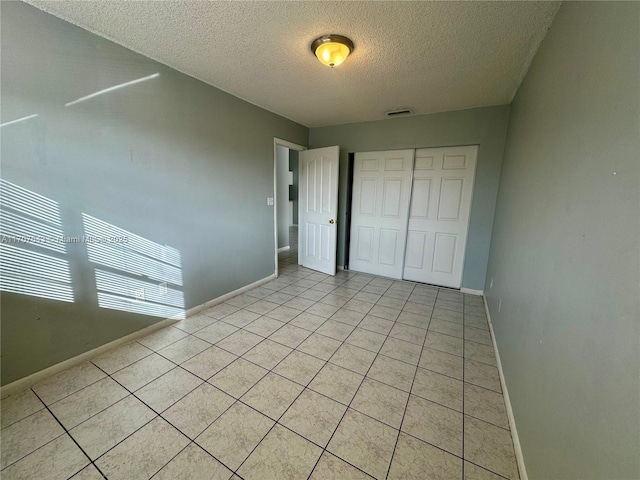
(439, 215)
(381, 192)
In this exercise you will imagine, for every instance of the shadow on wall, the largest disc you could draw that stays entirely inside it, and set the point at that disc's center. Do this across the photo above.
(131, 273)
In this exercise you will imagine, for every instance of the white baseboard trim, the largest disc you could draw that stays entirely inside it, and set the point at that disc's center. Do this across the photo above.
(471, 291)
(507, 401)
(284, 249)
(26, 382)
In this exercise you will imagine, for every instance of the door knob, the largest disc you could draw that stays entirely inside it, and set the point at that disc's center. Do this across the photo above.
(332, 221)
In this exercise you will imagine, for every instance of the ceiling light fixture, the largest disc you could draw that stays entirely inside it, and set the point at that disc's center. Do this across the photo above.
(332, 50)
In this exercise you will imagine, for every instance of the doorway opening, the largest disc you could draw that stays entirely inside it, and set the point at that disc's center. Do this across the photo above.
(285, 189)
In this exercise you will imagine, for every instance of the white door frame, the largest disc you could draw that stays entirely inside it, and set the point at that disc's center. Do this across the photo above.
(291, 146)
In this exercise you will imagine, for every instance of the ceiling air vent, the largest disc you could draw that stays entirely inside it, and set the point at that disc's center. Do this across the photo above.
(398, 113)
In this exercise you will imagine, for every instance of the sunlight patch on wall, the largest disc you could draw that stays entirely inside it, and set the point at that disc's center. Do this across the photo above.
(134, 274)
(32, 242)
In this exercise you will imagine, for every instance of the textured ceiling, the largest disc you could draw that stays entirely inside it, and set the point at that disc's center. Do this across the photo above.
(427, 56)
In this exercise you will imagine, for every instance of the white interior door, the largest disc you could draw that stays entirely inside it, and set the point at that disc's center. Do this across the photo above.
(379, 207)
(439, 215)
(318, 209)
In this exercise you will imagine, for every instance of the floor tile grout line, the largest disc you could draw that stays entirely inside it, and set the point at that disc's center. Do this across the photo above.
(406, 406)
(354, 396)
(464, 388)
(66, 432)
(324, 449)
(159, 415)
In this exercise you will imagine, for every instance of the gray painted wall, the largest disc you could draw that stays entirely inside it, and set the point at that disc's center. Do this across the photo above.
(282, 199)
(485, 127)
(565, 251)
(171, 159)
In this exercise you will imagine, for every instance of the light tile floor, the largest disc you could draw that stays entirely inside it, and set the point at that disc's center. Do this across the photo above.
(306, 377)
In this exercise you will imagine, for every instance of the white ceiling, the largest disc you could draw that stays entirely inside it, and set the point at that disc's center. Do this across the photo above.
(427, 56)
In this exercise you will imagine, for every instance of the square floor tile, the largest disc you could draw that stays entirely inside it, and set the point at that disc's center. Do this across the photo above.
(446, 328)
(474, 472)
(65, 383)
(408, 333)
(353, 358)
(334, 299)
(490, 447)
(330, 467)
(282, 455)
(337, 383)
(392, 372)
(197, 410)
(475, 310)
(144, 453)
(267, 354)
(88, 473)
(391, 302)
(307, 321)
(336, 330)
(241, 318)
(104, 430)
(184, 349)
(480, 353)
(314, 416)
(299, 303)
(479, 335)
(444, 343)
(264, 326)
(195, 323)
(284, 313)
(57, 460)
(365, 443)
(449, 305)
(322, 310)
(26, 435)
(279, 298)
(193, 463)
(234, 435)
(239, 342)
(482, 375)
(414, 319)
(319, 346)
(209, 362)
(375, 324)
(299, 367)
(386, 313)
(272, 395)
(435, 424)
(143, 371)
(161, 338)
(442, 362)
(401, 350)
(478, 322)
(485, 405)
(381, 402)
(220, 311)
(419, 308)
(241, 300)
(358, 306)
(448, 315)
(290, 335)
(216, 332)
(238, 377)
(77, 407)
(366, 339)
(414, 459)
(121, 357)
(312, 294)
(350, 317)
(438, 388)
(18, 406)
(168, 389)
(261, 307)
